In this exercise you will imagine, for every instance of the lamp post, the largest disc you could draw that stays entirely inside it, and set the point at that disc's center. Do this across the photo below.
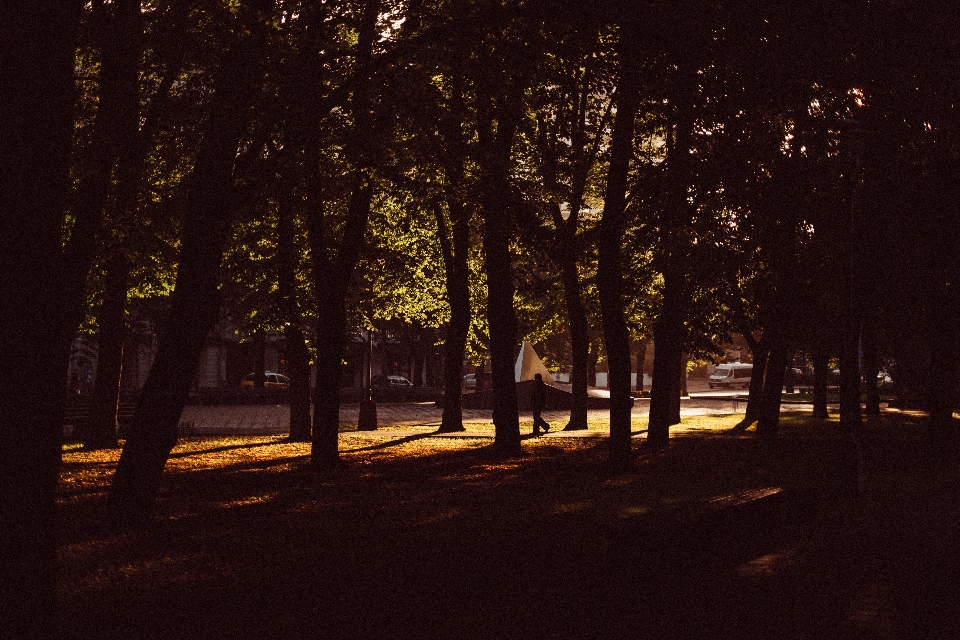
(850, 415)
(851, 452)
(368, 408)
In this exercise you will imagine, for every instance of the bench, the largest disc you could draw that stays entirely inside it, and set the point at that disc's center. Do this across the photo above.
(76, 410)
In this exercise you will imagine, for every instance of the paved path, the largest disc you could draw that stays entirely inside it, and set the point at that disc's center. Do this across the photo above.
(416, 417)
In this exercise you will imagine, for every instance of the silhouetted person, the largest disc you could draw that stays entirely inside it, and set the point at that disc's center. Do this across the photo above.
(537, 400)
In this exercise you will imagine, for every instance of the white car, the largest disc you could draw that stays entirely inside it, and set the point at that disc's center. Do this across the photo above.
(270, 380)
(728, 376)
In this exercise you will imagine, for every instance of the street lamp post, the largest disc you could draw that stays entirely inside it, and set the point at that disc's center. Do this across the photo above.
(368, 408)
(851, 452)
(850, 415)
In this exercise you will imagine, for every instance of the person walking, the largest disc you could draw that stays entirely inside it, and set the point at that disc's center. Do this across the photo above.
(537, 399)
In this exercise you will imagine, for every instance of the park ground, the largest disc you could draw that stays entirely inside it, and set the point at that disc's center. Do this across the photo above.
(437, 537)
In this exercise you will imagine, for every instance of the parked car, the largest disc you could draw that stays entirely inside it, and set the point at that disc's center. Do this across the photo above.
(731, 375)
(391, 381)
(270, 379)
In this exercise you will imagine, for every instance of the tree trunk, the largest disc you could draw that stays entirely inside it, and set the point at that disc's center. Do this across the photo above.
(579, 338)
(681, 390)
(296, 352)
(332, 276)
(331, 283)
(788, 377)
(609, 269)
(496, 143)
(669, 328)
(194, 304)
(101, 430)
(259, 361)
(768, 422)
(760, 354)
(458, 296)
(820, 375)
(871, 368)
(36, 125)
(665, 387)
(114, 136)
(641, 365)
(592, 358)
(945, 352)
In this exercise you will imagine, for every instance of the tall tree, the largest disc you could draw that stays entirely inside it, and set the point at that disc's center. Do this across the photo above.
(36, 124)
(609, 242)
(332, 272)
(209, 210)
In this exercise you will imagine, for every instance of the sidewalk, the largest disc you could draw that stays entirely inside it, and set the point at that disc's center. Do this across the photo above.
(413, 418)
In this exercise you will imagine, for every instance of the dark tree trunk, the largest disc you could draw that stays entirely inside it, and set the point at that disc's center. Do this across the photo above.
(36, 125)
(944, 340)
(579, 339)
(101, 430)
(788, 377)
(331, 283)
(296, 352)
(681, 391)
(194, 305)
(610, 237)
(665, 387)
(501, 318)
(850, 415)
(455, 262)
(481, 376)
(641, 365)
(298, 368)
(669, 328)
(496, 142)
(759, 353)
(768, 422)
(871, 369)
(113, 137)
(259, 360)
(820, 376)
(592, 358)
(332, 275)
(458, 296)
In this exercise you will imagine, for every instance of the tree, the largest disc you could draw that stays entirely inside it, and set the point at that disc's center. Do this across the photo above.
(209, 210)
(36, 121)
(609, 238)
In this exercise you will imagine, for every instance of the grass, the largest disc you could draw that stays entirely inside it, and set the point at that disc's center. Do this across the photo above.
(438, 538)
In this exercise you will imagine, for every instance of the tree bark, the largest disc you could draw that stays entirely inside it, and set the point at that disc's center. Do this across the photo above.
(609, 269)
(458, 296)
(194, 304)
(641, 365)
(820, 375)
(768, 422)
(871, 368)
(259, 361)
(669, 328)
(665, 387)
(331, 283)
(579, 338)
(498, 118)
(36, 125)
(332, 276)
(761, 355)
(296, 352)
(455, 261)
(101, 430)
(944, 355)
